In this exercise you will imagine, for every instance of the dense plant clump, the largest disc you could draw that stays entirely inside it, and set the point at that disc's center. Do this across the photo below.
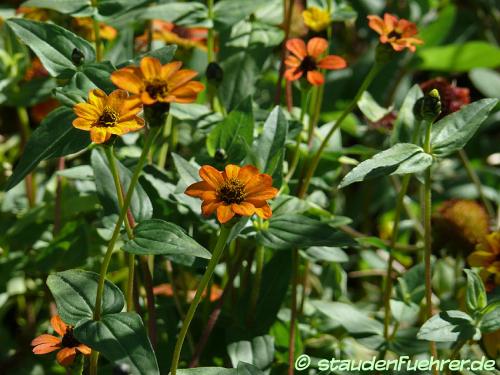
(249, 187)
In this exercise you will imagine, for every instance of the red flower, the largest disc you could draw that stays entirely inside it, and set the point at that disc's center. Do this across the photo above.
(400, 33)
(305, 60)
(452, 97)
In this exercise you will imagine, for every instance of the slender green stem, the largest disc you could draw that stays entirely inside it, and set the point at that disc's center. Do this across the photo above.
(216, 255)
(167, 131)
(29, 181)
(254, 296)
(477, 182)
(109, 252)
(311, 167)
(211, 33)
(427, 207)
(293, 307)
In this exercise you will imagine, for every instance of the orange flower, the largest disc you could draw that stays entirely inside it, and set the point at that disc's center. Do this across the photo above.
(84, 27)
(398, 32)
(153, 83)
(69, 346)
(487, 256)
(306, 61)
(105, 115)
(170, 33)
(236, 191)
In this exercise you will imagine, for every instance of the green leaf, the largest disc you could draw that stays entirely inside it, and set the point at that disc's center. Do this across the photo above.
(227, 13)
(75, 293)
(404, 312)
(411, 285)
(327, 254)
(234, 134)
(269, 148)
(402, 158)
(189, 14)
(62, 6)
(115, 7)
(348, 316)
(476, 293)
(490, 322)
(437, 31)
(122, 339)
(242, 369)
(405, 122)
(164, 54)
(298, 231)
(449, 326)
(459, 57)
(487, 81)
(370, 108)
(140, 205)
(158, 237)
(453, 132)
(54, 137)
(259, 352)
(53, 44)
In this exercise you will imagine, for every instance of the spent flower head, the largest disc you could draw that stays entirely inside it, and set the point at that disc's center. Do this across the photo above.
(305, 60)
(237, 190)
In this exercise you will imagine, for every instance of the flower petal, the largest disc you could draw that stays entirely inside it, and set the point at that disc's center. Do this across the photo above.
(211, 175)
(87, 111)
(297, 47)
(332, 62)
(243, 209)
(84, 349)
(66, 356)
(315, 78)
(376, 23)
(99, 135)
(292, 62)
(127, 80)
(59, 326)
(150, 67)
(81, 123)
(293, 74)
(480, 258)
(97, 98)
(198, 189)
(316, 46)
(263, 194)
(45, 339)
(224, 214)
(168, 69)
(264, 212)
(246, 173)
(147, 99)
(181, 77)
(232, 171)
(45, 348)
(208, 207)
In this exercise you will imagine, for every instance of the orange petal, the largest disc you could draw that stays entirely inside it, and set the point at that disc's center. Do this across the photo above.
(181, 77)
(297, 47)
(66, 356)
(82, 124)
(147, 99)
(264, 212)
(292, 62)
(116, 99)
(293, 74)
(246, 173)
(84, 349)
(390, 22)
(257, 183)
(59, 326)
(87, 111)
(315, 78)
(376, 23)
(168, 69)
(198, 189)
(243, 209)
(45, 348)
(332, 62)
(150, 67)
(126, 80)
(211, 175)
(208, 207)
(224, 214)
(263, 194)
(45, 339)
(232, 171)
(316, 46)
(99, 135)
(97, 98)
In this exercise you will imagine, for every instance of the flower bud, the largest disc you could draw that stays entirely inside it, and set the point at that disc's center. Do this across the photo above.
(77, 57)
(214, 73)
(428, 107)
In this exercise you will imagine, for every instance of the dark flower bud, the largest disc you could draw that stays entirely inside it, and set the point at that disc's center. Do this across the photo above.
(121, 369)
(428, 107)
(77, 57)
(452, 97)
(156, 114)
(220, 154)
(214, 73)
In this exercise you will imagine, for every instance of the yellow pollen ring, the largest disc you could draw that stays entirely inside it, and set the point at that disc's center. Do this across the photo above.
(231, 191)
(108, 118)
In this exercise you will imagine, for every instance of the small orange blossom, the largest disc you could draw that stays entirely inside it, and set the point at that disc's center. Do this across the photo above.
(236, 191)
(153, 83)
(400, 33)
(105, 115)
(67, 343)
(487, 256)
(305, 60)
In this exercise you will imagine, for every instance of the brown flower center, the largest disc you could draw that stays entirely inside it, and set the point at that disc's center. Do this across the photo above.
(69, 340)
(231, 191)
(394, 34)
(109, 118)
(157, 88)
(308, 64)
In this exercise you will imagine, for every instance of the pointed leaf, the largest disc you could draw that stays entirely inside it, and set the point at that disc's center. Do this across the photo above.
(449, 326)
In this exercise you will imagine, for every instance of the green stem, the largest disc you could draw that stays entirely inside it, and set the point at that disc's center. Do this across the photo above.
(477, 182)
(216, 255)
(293, 307)
(29, 181)
(109, 252)
(427, 207)
(211, 33)
(167, 130)
(254, 296)
(311, 167)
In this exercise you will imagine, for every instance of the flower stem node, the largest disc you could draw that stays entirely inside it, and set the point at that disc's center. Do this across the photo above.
(428, 107)
(214, 73)
(77, 57)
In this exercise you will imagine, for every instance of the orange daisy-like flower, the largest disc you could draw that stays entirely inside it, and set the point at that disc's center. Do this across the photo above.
(67, 344)
(400, 33)
(305, 60)
(105, 115)
(154, 83)
(487, 256)
(235, 191)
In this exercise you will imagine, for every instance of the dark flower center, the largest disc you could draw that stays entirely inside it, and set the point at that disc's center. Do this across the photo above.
(232, 191)
(394, 34)
(308, 64)
(69, 340)
(156, 88)
(109, 117)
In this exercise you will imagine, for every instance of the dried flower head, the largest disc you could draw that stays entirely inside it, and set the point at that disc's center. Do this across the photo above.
(235, 191)
(452, 97)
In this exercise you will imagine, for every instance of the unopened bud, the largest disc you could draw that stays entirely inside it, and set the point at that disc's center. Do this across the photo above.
(214, 73)
(428, 107)
(77, 57)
